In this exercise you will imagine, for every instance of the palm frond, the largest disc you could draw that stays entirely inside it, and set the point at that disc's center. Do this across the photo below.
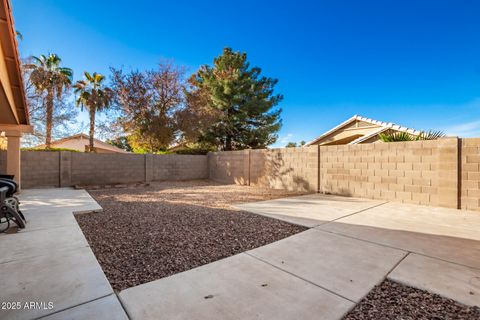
(395, 136)
(88, 76)
(92, 94)
(99, 77)
(79, 86)
(399, 136)
(37, 60)
(431, 135)
(67, 72)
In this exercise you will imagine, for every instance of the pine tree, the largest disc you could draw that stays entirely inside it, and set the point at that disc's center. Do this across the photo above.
(242, 100)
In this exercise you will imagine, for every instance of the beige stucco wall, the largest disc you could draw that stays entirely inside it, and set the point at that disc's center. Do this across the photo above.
(348, 133)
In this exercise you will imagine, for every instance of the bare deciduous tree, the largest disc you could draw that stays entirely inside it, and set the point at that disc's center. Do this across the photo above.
(149, 102)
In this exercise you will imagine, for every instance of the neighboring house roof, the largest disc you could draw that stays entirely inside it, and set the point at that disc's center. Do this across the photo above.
(177, 146)
(81, 136)
(13, 106)
(377, 128)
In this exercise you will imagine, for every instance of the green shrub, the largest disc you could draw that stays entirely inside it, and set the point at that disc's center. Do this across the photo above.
(51, 149)
(193, 151)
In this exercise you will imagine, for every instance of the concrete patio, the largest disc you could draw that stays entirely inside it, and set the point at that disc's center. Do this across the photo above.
(51, 261)
(352, 245)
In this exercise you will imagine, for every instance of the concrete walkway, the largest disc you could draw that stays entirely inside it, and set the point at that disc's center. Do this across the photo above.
(353, 245)
(51, 262)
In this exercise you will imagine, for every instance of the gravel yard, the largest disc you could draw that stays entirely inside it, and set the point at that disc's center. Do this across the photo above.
(391, 300)
(147, 233)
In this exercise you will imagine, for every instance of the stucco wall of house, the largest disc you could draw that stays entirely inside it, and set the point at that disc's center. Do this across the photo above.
(80, 143)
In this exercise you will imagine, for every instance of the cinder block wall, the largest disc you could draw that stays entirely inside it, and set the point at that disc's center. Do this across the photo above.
(470, 175)
(229, 167)
(66, 169)
(105, 168)
(179, 167)
(40, 169)
(288, 168)
(421, 172)
(443, 172)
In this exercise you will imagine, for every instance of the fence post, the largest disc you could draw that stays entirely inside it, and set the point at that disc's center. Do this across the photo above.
(209, 159)
(319, 176)
(459, 172)
(148, 167)
(65, 168)
(448, 172)
(249, 166)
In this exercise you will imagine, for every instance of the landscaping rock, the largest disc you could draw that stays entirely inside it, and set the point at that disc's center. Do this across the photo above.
(148, 233)
(394, 301)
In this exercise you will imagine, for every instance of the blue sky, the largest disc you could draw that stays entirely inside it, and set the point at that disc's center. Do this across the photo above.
(412, 62)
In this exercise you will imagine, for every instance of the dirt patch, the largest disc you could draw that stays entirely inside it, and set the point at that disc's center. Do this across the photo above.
(148, 233)
(391, 300)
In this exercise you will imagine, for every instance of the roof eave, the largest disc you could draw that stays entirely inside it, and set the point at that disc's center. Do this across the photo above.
(19, 107)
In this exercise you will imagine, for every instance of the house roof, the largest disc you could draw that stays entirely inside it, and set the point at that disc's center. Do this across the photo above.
(11, 86)
(98, 143)
(384, 126)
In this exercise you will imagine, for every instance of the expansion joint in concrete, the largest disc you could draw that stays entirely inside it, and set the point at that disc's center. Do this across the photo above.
(301, 278)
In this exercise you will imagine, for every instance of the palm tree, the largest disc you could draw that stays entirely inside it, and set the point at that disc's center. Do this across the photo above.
(48, 76)
(398, 136)
(95, 96)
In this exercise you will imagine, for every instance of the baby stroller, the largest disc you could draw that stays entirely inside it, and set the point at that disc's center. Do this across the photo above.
(9, 204)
